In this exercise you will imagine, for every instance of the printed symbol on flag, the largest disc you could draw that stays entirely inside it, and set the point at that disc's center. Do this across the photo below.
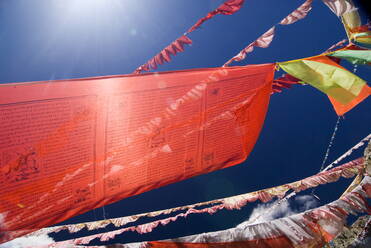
(23, 164)
(242, 115)
(157, 139)
(82, 194)
(209, 158)
(189, 163)
(82, 112)
(114, 183)
(215, 91)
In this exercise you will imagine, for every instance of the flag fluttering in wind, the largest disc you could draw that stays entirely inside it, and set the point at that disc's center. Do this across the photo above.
(354, 56)
(340, 7)
(344, 88)
(76, 145)
(276, 233)
(313, 228)
(265, 39)
(175, 47)
(351, 19)
(229, 7)
(346, 170)
(85, 143)
(298, 14)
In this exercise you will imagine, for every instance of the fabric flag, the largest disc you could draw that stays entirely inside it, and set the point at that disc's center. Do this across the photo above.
(313, 228)
(354, 56)
(351, 21)
(263, 41)
(230, 203)
(344, 88)
(229, 7)
(74, 145)
(364, 37)
(356, 32)
(284, 82)
(338, 44)
(339, 7)
(164, 56)
(341, 108)
(298, 14)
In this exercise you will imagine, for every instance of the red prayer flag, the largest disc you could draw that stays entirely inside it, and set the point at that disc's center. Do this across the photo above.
(70, 146)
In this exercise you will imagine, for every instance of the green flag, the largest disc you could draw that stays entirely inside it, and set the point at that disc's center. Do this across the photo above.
(354, 56)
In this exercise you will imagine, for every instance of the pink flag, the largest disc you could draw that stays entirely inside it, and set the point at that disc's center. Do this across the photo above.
(340, 43)
(298, 14)
(263, 42)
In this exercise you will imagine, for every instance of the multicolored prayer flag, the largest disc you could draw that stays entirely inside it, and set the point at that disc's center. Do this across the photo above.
(343, 87)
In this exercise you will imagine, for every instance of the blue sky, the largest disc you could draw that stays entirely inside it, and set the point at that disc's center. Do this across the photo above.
(51, 39)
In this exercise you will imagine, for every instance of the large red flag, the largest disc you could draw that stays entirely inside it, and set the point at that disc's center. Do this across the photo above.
(70, 146)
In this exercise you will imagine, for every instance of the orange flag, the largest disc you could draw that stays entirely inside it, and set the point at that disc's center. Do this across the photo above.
(341, 109)
(70, 146)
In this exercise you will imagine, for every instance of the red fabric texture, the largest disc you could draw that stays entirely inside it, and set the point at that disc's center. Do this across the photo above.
(95, 141)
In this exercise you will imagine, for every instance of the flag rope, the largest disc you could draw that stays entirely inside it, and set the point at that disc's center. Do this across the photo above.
(328, 148)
